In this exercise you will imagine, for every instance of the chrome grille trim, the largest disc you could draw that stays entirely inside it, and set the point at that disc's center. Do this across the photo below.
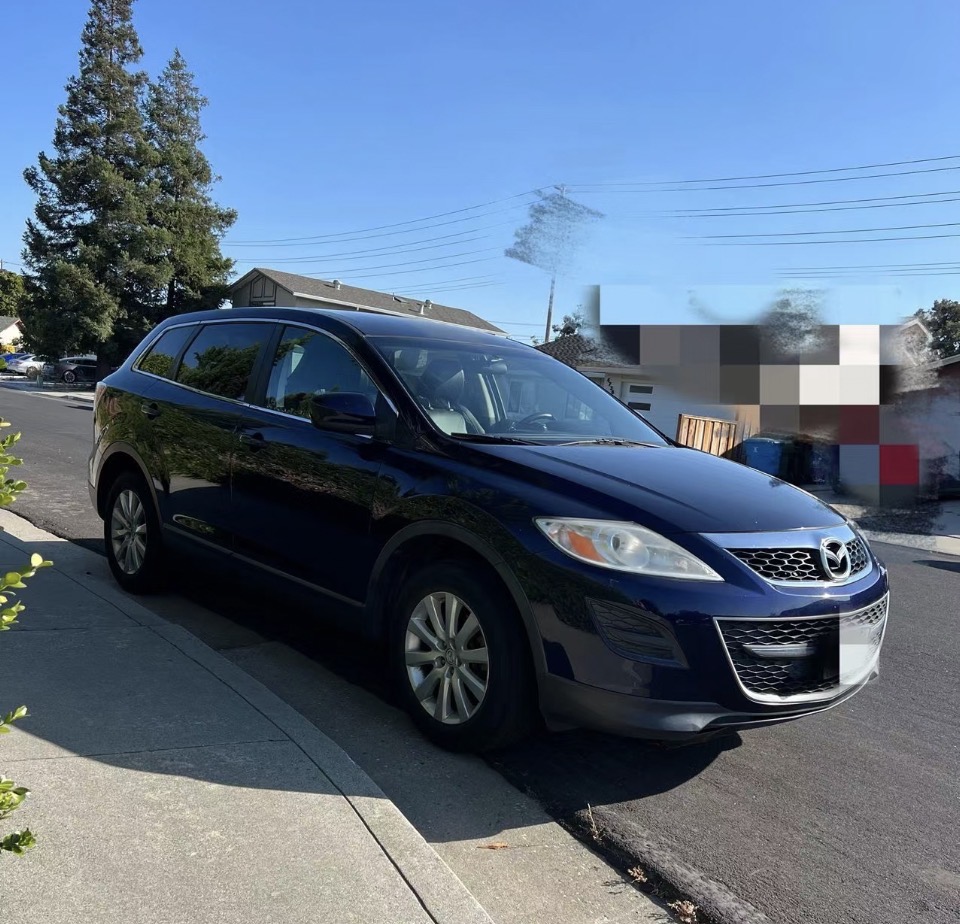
(792, 558)
(757, 649)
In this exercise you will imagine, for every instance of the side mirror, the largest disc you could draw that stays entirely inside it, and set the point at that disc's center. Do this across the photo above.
(343, 412)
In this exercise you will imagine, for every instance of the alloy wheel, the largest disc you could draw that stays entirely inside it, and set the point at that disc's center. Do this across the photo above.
(128, 532)
(446, 658)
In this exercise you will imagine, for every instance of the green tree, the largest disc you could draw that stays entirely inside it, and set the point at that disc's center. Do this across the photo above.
(943, 322)
(94, 261)
(194, 224)
(571, 324)
(551, 238)
(11, 294)
(12, 796)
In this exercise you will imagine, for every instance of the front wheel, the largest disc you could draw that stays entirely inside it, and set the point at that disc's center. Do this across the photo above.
(69, 377)
(131, 532)
(461, 660)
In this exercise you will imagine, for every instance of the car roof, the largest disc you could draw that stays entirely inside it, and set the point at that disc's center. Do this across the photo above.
(365, 323)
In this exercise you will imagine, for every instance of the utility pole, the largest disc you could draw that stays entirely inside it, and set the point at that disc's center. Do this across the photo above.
(562, 189)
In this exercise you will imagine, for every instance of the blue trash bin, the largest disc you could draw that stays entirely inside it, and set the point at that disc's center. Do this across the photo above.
(764, 454)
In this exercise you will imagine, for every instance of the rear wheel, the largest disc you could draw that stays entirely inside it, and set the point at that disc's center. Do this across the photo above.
(461, 659)
(131, 532)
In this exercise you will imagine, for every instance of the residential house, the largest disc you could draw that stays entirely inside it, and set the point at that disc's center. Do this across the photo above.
(10, 332)
(273, 288)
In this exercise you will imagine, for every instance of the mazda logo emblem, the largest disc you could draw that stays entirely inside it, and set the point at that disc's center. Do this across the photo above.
(835, 559)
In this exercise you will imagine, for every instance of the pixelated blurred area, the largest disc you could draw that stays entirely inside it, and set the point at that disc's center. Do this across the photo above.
(862, 411)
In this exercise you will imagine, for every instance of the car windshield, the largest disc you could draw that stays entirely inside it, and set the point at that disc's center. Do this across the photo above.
(469, 391)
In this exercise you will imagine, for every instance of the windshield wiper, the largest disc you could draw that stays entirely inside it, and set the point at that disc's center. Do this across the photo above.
(489, 438)
(608, 441)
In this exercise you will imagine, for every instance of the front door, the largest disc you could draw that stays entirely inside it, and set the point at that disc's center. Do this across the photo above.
(303, 497)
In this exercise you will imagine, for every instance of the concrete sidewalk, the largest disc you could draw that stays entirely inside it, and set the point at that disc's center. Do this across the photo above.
(169, 786)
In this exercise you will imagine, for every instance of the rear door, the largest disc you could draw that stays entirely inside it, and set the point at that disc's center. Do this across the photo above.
(193, 415)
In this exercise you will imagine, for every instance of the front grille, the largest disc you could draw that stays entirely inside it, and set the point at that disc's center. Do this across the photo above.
(798, 565)
(769, 670)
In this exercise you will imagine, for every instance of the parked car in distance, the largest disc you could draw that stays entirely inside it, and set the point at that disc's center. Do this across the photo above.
(72, 369)
(29, 364)
(8, 358)
(570, 564)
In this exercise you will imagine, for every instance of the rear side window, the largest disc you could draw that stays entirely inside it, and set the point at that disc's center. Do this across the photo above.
(221, 358)
(160, 358)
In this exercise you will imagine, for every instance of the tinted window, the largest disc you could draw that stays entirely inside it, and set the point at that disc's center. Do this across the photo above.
(221, 358)
(308, 363)
(159, 359)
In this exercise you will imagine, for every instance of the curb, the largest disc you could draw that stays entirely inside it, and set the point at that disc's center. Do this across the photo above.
(628, 845)
(31, 389)
(441, 892)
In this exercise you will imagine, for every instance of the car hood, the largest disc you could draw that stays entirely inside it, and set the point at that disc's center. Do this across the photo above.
(673, 489)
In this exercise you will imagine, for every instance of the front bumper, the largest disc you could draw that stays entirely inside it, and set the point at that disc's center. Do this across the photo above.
(566, 704)
(603, 672)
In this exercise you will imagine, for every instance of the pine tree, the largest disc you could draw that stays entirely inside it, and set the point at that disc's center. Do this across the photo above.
(193, 223)
(95, 265)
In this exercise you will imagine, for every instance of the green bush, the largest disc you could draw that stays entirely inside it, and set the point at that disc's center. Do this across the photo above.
(12, 795)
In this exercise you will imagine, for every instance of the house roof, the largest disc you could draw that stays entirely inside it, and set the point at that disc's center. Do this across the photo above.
(337, 293)
(579, 351)
(6, 321)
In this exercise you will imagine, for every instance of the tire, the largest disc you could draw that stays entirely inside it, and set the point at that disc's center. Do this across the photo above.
(33, 374)
(69, 377)
(129, 504)
(507, 709)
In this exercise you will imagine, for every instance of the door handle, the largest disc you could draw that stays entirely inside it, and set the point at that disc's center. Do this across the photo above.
(254, 441)
(151, 410)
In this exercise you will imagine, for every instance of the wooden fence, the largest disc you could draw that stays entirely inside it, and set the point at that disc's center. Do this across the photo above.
(709, 434)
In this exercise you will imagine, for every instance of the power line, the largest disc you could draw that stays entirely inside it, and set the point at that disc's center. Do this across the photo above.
(366, 254)
(792, 205)
(890, 275)
(399, 224)
(366, 237)
(442, 282)
(434, 291)
(838, 179)
(362, 269)
(405, 272)
(765, 210)
(785, 269)
(852, 240)
(771, 176)
(710, 237)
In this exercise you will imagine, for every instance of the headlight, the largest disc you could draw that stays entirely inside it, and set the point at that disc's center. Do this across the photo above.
(625, 547)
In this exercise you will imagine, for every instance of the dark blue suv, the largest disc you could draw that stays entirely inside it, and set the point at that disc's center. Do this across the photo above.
(524, 543)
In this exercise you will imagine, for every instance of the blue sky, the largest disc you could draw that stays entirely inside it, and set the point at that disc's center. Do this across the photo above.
(328, 119)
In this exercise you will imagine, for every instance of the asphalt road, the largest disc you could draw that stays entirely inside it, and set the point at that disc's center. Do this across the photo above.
(850, 816)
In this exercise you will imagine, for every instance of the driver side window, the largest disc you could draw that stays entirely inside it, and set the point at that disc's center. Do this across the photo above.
(309, 363)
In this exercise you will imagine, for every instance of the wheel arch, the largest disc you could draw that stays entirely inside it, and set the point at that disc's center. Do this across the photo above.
(439, 540)
(121, 458)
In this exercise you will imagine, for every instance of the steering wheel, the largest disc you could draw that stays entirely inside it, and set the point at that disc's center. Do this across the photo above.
(540, 417)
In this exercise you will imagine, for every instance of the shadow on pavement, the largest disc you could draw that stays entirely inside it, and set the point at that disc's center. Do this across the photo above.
(101, 686)
(952, 566)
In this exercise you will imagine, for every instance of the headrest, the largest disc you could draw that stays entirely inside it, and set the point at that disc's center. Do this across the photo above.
(444, 379)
